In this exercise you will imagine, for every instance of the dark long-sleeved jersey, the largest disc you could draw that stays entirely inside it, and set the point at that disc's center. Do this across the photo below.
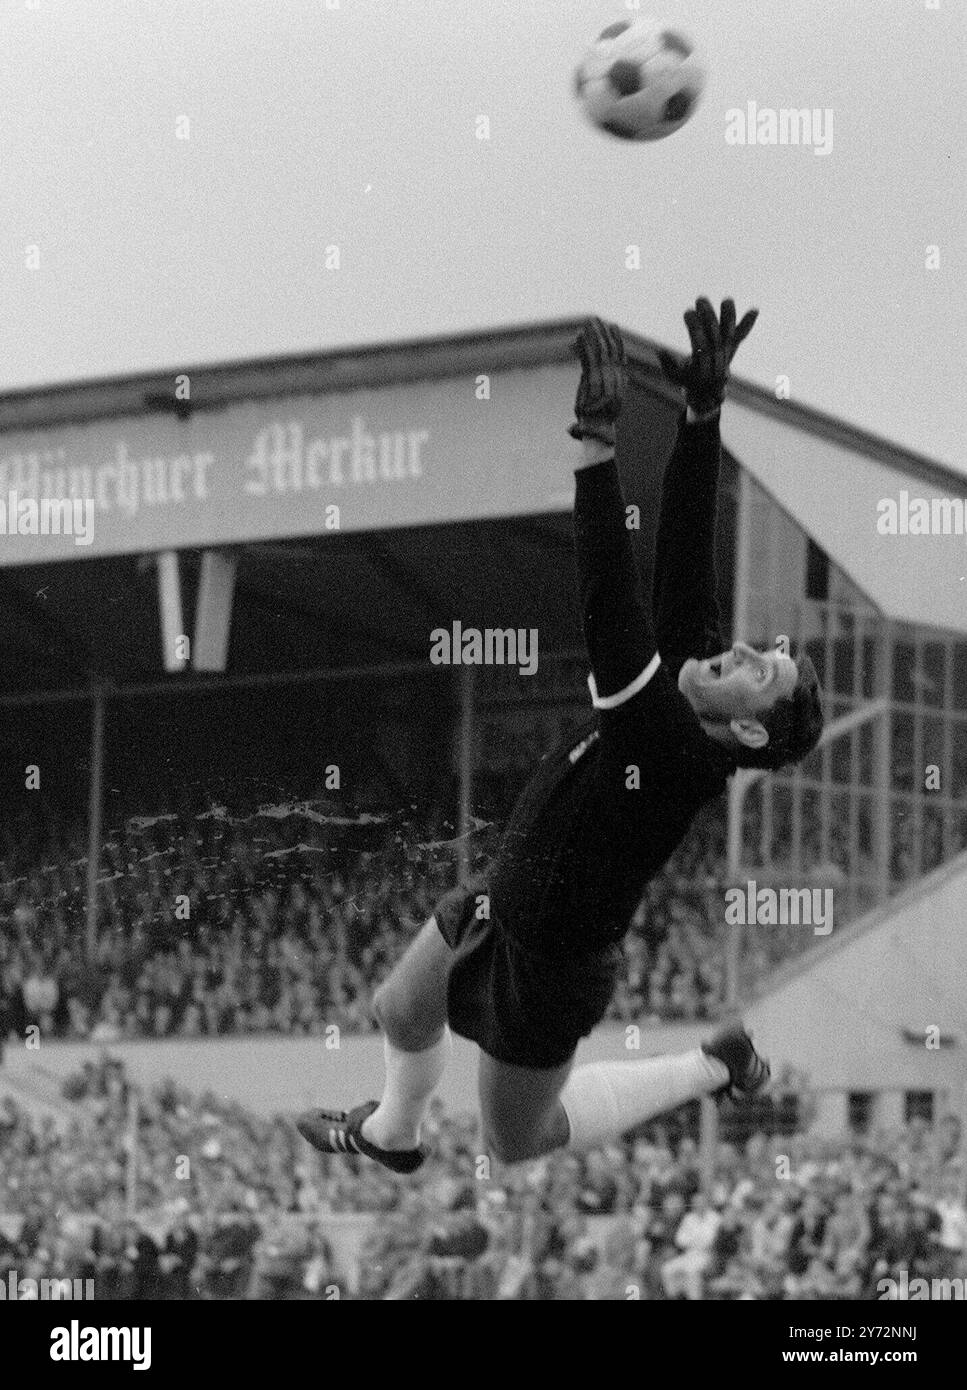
(601, 816)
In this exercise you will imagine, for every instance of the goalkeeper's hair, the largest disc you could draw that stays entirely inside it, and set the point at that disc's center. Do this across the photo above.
(794, 723)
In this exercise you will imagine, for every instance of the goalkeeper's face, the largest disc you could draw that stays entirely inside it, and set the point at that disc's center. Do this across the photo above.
(738, 685)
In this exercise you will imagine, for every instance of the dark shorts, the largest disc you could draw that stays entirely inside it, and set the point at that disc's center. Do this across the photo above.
(519, 1005)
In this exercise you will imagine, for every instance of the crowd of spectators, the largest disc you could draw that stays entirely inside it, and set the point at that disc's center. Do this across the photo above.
(783, 1219)
(208, 925)
(175, 1197)
(283, 920)
(168, 1197)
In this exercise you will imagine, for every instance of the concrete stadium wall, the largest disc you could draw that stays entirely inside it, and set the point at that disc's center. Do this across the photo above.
(273, 1075)
(841, 1014)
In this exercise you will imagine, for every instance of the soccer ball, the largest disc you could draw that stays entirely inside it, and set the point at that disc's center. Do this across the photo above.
(639, 80)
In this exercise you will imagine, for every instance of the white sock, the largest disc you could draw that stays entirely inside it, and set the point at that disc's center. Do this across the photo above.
(604, 1099)
(411, 1079)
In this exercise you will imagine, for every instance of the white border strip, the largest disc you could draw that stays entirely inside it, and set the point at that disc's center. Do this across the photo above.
(639, 683)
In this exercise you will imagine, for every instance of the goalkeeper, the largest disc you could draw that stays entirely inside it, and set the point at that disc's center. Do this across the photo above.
(524, 961)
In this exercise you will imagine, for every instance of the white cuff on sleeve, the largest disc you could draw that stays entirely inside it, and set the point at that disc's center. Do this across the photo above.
(639, 683)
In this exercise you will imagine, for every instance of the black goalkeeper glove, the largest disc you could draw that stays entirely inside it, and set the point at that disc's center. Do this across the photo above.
(600, 393)
(703, 375)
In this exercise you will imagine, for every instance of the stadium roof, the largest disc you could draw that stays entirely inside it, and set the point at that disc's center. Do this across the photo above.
(325, 603)
(834, 487)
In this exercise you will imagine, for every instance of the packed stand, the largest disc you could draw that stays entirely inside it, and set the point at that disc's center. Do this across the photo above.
(167, 1196)
(284, 920)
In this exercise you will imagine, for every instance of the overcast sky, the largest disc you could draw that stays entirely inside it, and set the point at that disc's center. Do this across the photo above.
(356, 126)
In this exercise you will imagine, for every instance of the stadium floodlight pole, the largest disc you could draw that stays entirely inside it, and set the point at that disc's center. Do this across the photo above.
(740, 782)
(95, 806)
(709, 1123)
(466, 761)
(131, 1157)
(883, 761)
(738, 787)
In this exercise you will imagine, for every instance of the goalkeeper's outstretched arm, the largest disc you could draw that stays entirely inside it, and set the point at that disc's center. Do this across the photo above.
(617, 626)
(684, 597)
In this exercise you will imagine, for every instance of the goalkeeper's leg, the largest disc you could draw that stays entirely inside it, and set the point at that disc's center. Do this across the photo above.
(411, 1007)
(528, 1111)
